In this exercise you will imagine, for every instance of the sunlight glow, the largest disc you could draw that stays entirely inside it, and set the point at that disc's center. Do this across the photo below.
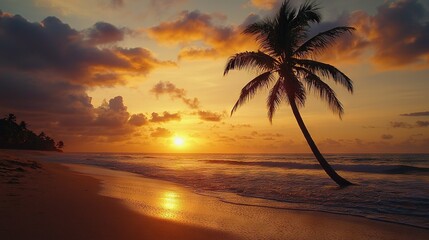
(169, 204)
(178, 141)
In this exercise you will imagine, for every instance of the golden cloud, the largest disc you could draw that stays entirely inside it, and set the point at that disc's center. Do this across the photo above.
(192, 29)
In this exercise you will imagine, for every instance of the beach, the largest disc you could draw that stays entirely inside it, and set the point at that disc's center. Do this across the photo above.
(45, 200)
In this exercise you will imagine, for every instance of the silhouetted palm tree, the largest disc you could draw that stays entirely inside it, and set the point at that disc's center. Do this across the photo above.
(285, 62)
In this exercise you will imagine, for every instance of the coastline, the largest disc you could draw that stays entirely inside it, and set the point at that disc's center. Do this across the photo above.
(53, 202)
(81, 202)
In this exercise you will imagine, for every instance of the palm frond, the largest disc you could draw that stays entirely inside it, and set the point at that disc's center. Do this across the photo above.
(251, 88)
(309, 11)
(248, 60)
(264, 33)
(326, 70)
(306, 14)
(259, 29)
(321, 41)
(275, 98)
(323, 90)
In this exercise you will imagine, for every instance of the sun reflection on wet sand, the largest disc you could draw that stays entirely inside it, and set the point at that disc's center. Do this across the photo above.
(170, 203)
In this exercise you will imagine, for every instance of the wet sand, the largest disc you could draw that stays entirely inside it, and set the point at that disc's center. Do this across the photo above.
(40, 200)
(52, 202)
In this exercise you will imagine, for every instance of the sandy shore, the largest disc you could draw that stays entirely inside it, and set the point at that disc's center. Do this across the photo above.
(40, 200)
(51, 202)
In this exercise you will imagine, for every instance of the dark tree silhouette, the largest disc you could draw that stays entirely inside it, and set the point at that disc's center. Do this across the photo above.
(60, 145)
(23, 125)
(11, 117)
(18, 136)
(285, 62)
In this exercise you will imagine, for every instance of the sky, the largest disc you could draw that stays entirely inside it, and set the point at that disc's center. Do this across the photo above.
(147, 76)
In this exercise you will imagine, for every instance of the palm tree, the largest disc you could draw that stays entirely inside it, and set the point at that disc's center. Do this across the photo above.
(285, 62)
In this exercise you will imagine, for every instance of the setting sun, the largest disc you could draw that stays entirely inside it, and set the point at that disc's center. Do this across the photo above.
(178, 141)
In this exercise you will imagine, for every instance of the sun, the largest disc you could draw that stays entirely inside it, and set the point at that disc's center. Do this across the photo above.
(178, 141)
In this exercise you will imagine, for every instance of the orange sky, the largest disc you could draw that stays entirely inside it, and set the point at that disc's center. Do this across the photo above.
(128, 75)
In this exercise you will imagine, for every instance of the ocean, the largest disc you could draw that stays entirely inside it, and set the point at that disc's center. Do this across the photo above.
(389, 187)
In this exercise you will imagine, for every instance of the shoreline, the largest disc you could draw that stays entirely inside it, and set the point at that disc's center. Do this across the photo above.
(53, 202)
(91, 210)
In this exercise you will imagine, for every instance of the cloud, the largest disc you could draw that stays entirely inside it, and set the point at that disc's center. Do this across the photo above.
(52, 48)
(386, 136)
(422, 123)
(138, 120)
(210, 116)
(47, 68)
(169, 88)
(165, 117)
(400, 125)
(407, 125)
(264, 4)
(394, 37)
(201, 36)
(239, 126)
(397, 34)
(112, 114)
(415, 114)
(348, 48)
(102, 33)
(403, 27)
(161, 133)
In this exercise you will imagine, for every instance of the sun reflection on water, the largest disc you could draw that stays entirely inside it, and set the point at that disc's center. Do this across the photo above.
(170, 205)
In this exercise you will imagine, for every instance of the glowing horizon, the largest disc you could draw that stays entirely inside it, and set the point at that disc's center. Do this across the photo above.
(149, 78)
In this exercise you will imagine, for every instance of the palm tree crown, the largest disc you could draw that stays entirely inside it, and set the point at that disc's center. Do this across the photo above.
(286, 62)
(285, 59)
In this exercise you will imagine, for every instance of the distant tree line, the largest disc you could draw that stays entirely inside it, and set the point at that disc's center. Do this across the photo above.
(18, 136)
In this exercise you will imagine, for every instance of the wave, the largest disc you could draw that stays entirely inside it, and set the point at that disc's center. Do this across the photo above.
(381, 169)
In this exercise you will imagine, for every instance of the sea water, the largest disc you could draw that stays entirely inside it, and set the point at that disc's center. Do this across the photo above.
(389, 187)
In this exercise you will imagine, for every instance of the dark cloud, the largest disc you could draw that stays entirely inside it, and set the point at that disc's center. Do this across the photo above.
(168, 88)
(19, 91)
(47, 68)
(407, 125)
(210, 116)
(398, 34)
(112, 114)
(400, 125)
(138, 119)
(165, 117)
(102, 33)
(386, 136)
(403, 27)
(422, 123)
(53, 48)
(348, 47)
(415, 114)
(161, 133)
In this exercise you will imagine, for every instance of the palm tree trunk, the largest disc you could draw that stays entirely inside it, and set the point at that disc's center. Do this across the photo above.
(322, 161)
